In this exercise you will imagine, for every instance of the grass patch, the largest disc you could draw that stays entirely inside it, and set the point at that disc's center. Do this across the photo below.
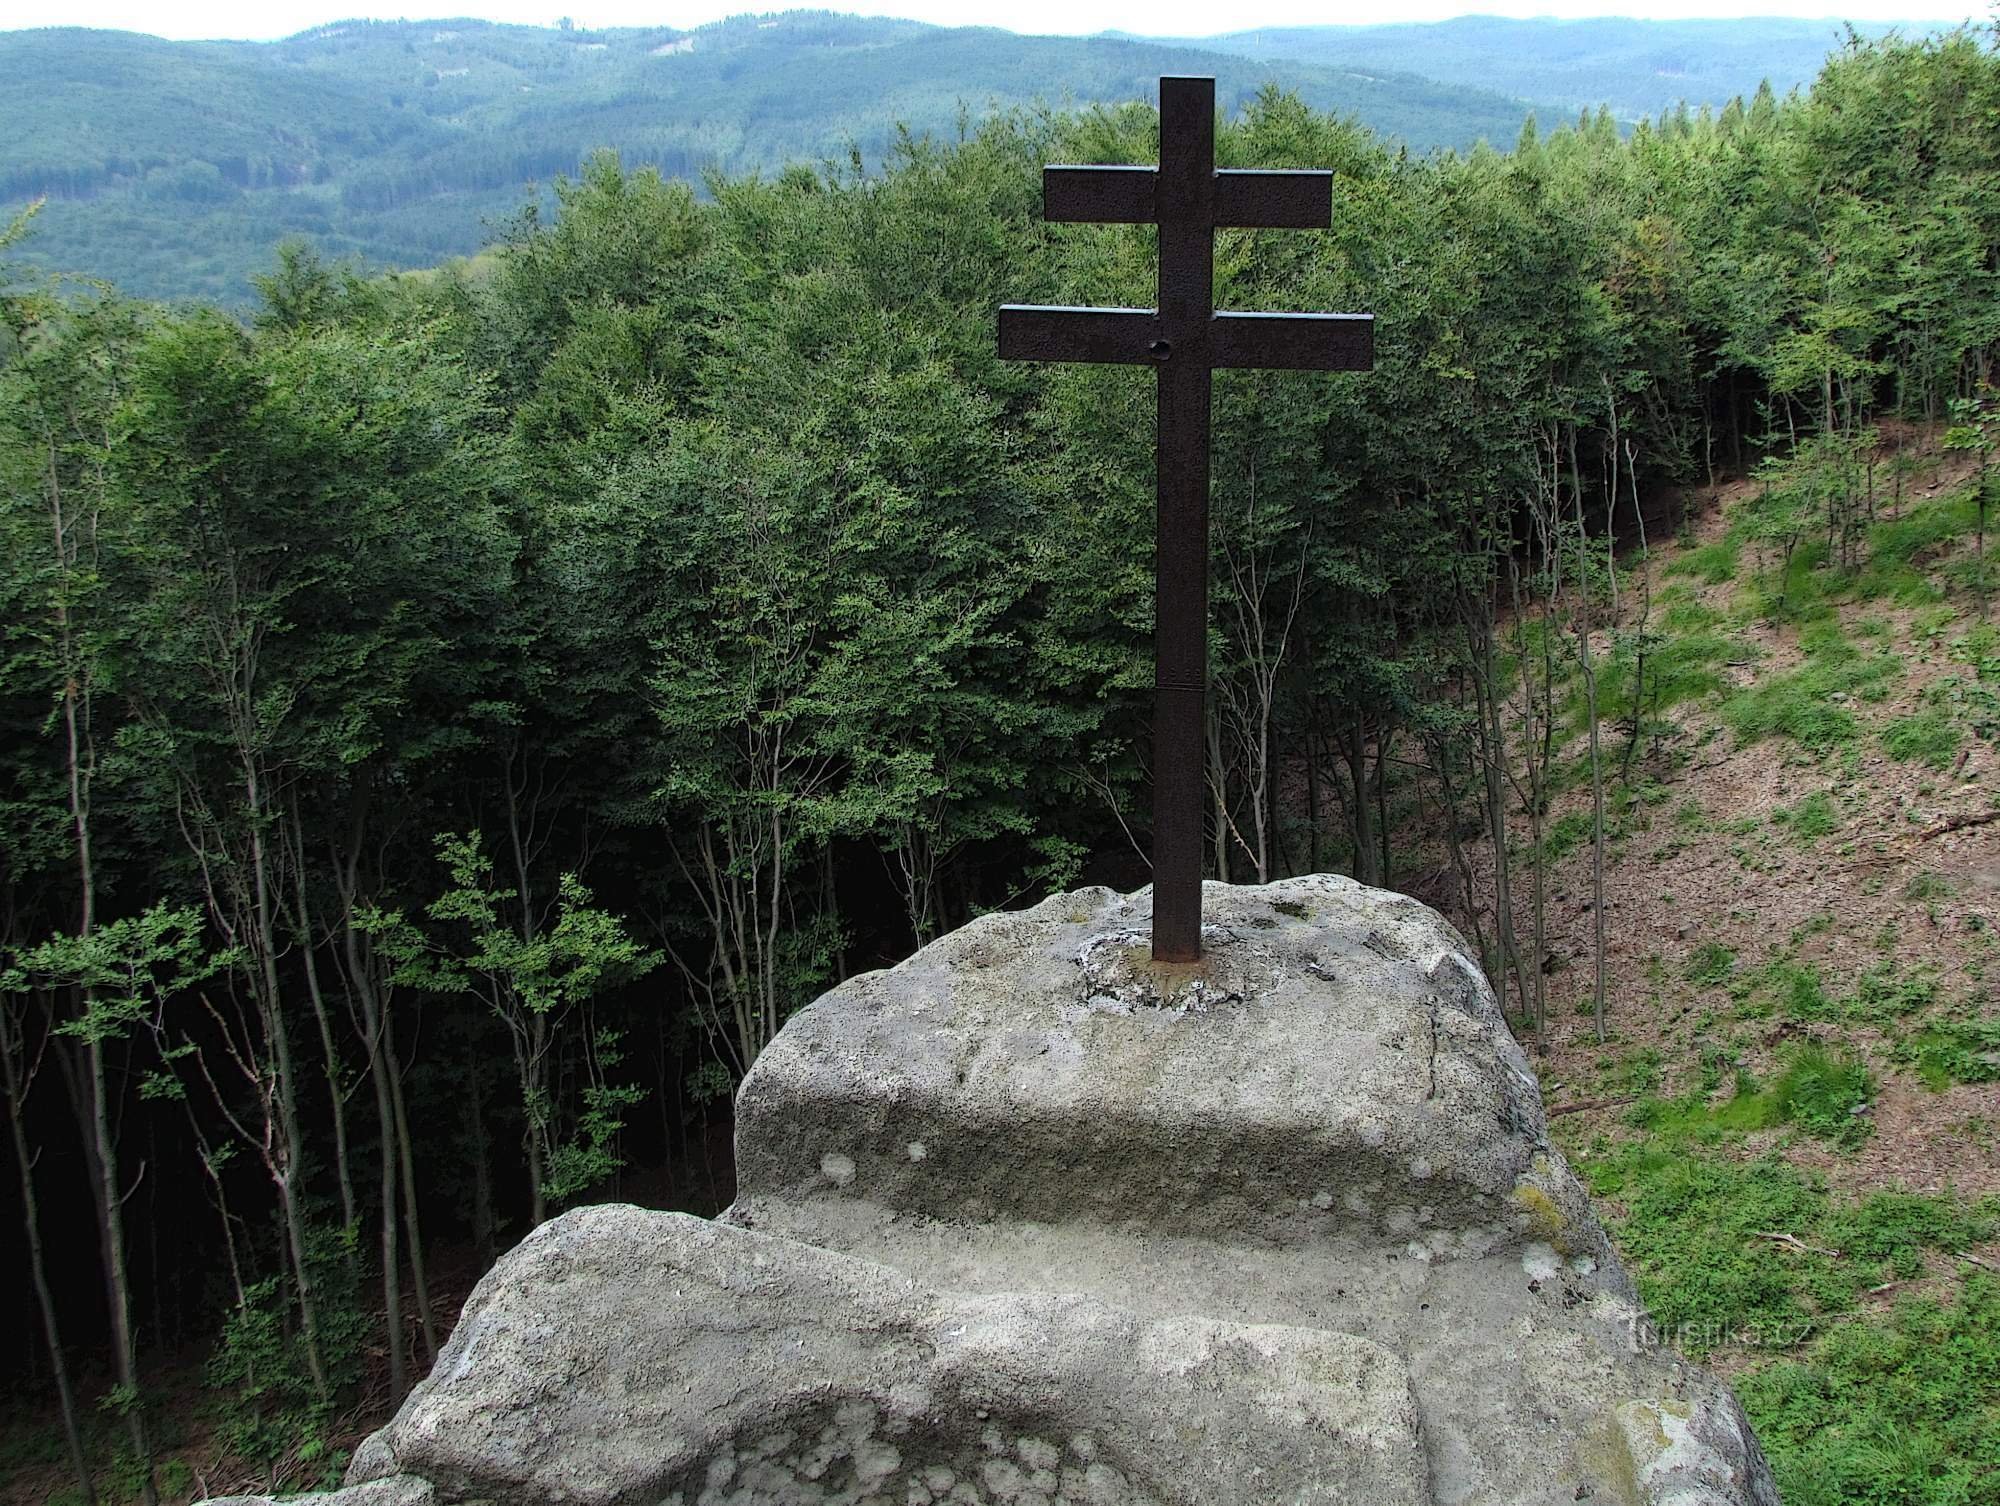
(1824, 1094)
(1679, 667)
(1565, 835)
(1928, 736)
(1711, 564)
(1814, 817)
(1929, 886)
(1905, 1408)
(1885, 992)
(1949, 1051)
(1685, 615)
(1815, 1090)
(1899, 550)
(1971, 701)
(1693, 1227)
(1709, 964)
(1809, 705)
(1794, 989)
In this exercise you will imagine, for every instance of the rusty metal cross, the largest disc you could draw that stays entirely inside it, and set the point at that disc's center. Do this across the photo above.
(1185, 339)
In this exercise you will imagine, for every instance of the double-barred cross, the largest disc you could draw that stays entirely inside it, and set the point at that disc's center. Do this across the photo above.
(1185, 339)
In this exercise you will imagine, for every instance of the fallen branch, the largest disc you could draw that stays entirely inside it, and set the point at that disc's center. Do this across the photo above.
(1959, 823)
(1979, 1260)
(1793, 1242)
(1595, 1103)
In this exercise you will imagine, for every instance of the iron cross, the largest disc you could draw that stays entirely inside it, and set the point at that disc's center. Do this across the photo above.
(1185, 339)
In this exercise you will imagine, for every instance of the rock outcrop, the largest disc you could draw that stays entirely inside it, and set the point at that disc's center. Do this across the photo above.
(1030, 1220)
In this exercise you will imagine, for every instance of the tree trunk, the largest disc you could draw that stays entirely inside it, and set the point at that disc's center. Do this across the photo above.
(117, 1281)
(1366, 854)
(413, 1231)
(392, 1266)
(336, 1096)
(31, 1223)
(285, 1154)
(484, 1241)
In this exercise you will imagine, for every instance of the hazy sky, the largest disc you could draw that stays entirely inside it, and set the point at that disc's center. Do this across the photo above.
(277, 18)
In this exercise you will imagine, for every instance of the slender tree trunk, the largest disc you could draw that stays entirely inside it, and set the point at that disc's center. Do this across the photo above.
(336, 1095)
(392, 1265)
(1384, 740)
(80, 751)
(1218, 784)
(1366, 854)
(484, 1241)
(285, 1089)
(117, 1280)
(413, 1231)
(31, 1222)
(1478, 621)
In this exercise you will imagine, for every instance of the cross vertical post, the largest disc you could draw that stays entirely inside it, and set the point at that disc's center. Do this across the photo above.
(1185, 205)
(1185, 339)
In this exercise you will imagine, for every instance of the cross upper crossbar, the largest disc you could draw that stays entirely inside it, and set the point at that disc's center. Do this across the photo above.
(1186, 340)
(1243, 199)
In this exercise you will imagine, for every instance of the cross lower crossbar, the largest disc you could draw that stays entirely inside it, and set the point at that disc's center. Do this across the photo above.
(1245, 199)
(1132, 337)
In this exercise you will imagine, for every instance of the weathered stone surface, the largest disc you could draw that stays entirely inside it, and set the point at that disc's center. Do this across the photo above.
(1334, 1066)
(390, 1490)
(1029, 1220)
(1325, 1125)
(620, 1356)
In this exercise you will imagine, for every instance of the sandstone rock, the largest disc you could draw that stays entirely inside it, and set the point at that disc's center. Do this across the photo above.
(391, 1490)
(1326, 1124)
(1031, 1220)
(1334, 1066)
(622, 1356)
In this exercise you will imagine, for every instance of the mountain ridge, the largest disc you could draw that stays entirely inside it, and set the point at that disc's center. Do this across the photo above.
(175, 168)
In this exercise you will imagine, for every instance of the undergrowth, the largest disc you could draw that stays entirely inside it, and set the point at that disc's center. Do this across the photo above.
(1757, 1254)
(1810, 704)
(1815, 1089)
(1904, 1408)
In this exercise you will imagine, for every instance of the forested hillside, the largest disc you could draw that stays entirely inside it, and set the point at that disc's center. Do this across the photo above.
(174, 168)
(449, 721)
(1638, 68)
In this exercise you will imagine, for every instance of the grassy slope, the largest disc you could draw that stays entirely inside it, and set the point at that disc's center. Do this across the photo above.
(174, 168)
(1798, 1143)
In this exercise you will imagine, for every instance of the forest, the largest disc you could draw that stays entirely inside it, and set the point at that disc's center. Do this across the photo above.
(173, 168)
(449, 720)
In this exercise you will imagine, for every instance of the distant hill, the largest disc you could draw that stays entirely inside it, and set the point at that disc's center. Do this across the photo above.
(1639, 68)
(174, 167)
